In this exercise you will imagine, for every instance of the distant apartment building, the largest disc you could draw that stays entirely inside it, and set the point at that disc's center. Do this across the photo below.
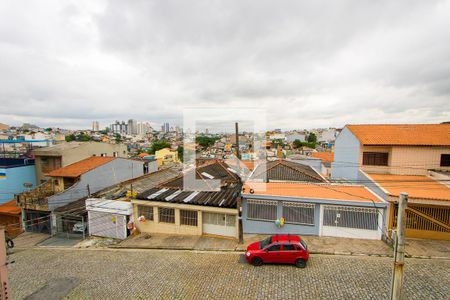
(95, 126)
(165, 127)
(143, 128)
(50, 158)
(119, 127)
(132, 127)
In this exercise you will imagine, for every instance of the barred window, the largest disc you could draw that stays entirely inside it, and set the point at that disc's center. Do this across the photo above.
(298, 213)
(188, 217)
(351, 217)
(166, 215)
(146, 211)
(262, 210)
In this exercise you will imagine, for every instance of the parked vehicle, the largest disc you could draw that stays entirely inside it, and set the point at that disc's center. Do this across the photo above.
(282, 248)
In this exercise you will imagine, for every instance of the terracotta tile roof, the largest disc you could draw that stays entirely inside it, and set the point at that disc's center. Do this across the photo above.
(324, 156)
(403, 134)
(143, 154)
(316, 191)
(10, 208)
(81, 167)
(421, 187)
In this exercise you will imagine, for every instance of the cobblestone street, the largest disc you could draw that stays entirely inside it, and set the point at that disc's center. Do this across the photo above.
(150, 274)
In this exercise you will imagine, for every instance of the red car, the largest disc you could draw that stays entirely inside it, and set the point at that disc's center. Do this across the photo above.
(282, 248)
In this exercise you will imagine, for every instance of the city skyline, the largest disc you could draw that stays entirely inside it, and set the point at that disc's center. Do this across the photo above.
(286, 60)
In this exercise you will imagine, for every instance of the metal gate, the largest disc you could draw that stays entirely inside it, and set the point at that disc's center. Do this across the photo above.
(69, 226)
(431, 222)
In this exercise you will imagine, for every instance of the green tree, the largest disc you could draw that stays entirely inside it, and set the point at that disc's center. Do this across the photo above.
(180, 151)
(82, 137)
(70, 137)
(205, 141)
(312, 138)
(158, 145)
(118, 137)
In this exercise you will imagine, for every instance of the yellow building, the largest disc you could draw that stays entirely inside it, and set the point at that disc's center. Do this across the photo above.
(165, 156)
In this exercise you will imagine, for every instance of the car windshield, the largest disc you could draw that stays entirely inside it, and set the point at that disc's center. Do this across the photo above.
(264, 243)
(304, 244)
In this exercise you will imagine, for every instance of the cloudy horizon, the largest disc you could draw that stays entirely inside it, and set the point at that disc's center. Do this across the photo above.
(308, 64)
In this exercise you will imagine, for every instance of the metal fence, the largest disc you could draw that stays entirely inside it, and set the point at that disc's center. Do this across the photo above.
(350, 217)
(262, 210)
(298, 213)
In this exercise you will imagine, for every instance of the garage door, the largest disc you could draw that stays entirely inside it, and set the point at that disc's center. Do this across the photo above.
(107, 224)
(219, 224)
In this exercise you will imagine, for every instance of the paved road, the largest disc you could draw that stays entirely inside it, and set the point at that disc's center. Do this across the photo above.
(105, 274)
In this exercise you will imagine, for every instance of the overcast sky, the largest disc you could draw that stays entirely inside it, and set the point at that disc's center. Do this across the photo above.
(309, 63)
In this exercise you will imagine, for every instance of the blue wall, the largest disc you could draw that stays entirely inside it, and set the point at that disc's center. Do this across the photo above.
(14, 178)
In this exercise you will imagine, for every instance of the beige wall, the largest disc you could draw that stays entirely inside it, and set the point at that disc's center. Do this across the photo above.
(416, 160)
(156, 227)
(74, 155)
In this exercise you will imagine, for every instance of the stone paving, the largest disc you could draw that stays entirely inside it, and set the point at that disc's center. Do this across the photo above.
(164, 274)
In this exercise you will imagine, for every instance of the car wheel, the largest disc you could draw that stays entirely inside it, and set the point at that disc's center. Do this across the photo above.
(257, 261)
(300, 263)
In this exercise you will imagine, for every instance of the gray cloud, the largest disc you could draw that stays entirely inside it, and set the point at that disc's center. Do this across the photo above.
(309, 63)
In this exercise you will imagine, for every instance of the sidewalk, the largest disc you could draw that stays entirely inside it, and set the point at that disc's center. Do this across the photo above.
(416, 248)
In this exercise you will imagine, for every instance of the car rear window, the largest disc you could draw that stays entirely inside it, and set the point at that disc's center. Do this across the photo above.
(304, 244)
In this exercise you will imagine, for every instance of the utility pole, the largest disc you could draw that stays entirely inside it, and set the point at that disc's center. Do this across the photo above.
(239, 200)
(399, 256)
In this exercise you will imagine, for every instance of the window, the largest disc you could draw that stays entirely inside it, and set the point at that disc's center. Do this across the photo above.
(219, 219)
(298, 213)
(445, 160)
(375, 159)
(146, 211)
(166, 215)
(289, 247)
(188, 217)
(262, 210)
(350, 217)
(275, 247)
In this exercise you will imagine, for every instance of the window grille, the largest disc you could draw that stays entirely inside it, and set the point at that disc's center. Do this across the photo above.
(146, 211)
(350, 217)
(188, 217)
(262, 210)
(298, 213)
(219, 219)
(166, 215)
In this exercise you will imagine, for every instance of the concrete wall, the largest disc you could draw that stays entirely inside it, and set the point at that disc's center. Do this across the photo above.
(346, 156)
(114, 172)
(12, 182)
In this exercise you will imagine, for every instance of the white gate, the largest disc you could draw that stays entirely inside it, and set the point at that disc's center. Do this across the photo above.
(351, 222)
(107, 224)
(219, 224)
